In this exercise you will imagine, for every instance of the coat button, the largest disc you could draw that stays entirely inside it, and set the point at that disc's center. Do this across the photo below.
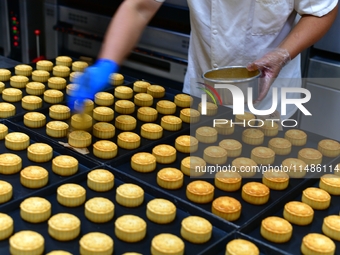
(215, 32)
(215, 65)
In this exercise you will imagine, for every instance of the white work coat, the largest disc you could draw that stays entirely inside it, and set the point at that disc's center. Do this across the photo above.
(236, 32)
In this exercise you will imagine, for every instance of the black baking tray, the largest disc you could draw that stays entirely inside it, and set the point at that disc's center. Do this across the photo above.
(20, 192)
(19, 110)
(313, 139)
(213, 246)
(248, 211)
(294, 244)
(263, 247)
(121, 151)
(18, 119)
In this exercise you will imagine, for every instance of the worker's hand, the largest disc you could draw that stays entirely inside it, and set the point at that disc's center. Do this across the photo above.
(94, 79)
(270, 65)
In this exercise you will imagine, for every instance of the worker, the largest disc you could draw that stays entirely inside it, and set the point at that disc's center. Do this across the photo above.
(267, 35)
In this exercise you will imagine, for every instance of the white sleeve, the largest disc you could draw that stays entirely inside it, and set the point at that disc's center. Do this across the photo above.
(314, 7)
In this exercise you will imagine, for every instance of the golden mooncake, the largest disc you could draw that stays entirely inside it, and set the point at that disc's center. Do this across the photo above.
(129, 195)
(298, 213)
(241, 247)
(143, 162)
(100, 180)
(276, 229)
(6, 226)
(167, 244)
(96, 243)
(318, 199)
(330, 183)
(227, 208)
(310, 156)
(35, 209)
(200, 192)
(164, 153)
(170, 178)
(189, 115)
(130, 228)
(6, 191)
(71, 195)
(329, 148)
(34, 177)
(296, 137)
(215, 155)
(26, 242)
(315, 243)
(183, 100)
(99, 210)
(263, 155)
(255, 193)
(65, 165)
(17, 141)
(64, 226)
(105, 149)
(196, 229)
(331, 226)
(161, 211)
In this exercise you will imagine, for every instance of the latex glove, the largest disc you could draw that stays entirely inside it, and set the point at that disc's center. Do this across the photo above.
(94, 79)
(270, 65)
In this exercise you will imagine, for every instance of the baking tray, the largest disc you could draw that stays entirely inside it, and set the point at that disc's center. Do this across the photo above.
(294, 244)
(18, 119)
(313, 139)
(213, 246)
(20, 192)
(248, 211)
(263, 247)
(121, 152)
(19, 110)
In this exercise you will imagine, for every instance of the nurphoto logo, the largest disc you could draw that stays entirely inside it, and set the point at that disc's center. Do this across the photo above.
(239, 99)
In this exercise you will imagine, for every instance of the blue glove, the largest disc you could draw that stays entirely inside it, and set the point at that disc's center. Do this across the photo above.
(94, 79)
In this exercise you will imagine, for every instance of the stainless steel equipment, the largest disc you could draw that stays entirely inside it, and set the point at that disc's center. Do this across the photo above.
(78, 30)
(331, 41)
(323, 79)
(19, 20)
(238, 76)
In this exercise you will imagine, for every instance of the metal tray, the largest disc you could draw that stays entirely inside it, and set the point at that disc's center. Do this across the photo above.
(248, 211)
(263, 247)
(19, 191)
(213, 246)
(19, 110)
(121, 152)
(294, 244)
(313, 139)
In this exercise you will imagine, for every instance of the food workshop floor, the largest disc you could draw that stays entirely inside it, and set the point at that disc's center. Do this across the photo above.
(247, 226)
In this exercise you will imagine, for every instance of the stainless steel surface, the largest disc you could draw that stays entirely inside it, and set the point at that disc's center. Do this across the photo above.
(323, 82)
(173, 71)
(238, 76)
(5, 43)
(324, 107)
(164, 52)
(183, 3)
(8, 63)
(19, 39)
(51, 19)
(331, 41)
(324, 72)
(84, 21)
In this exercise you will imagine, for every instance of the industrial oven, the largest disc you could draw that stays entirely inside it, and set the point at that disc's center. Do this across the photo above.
(21, 22)
(77, 28)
